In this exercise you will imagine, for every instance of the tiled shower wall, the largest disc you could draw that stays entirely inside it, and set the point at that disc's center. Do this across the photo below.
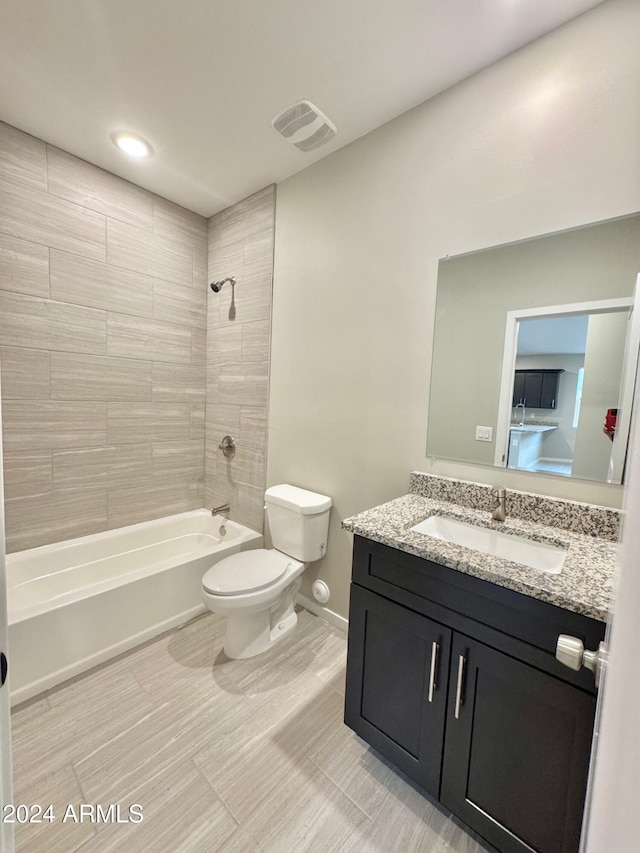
(238, 322)
(103, 306)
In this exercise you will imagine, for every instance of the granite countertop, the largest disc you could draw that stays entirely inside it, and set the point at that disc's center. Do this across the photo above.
(584, 585)
(532, 428)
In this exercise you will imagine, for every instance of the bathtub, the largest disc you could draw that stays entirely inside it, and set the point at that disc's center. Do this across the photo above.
(75, 604)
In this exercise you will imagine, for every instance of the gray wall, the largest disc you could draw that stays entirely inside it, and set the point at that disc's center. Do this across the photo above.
(102, 340)
(539, 142)
(603, 364)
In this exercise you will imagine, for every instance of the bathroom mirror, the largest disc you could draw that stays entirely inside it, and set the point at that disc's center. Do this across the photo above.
(557, 308)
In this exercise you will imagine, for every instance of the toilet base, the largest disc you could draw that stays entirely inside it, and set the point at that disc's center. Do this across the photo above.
(251, 634)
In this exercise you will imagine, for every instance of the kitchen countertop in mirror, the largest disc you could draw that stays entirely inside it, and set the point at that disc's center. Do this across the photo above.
(584, 585)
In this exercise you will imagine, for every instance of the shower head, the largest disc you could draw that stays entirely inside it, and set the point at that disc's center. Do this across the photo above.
(216, 285)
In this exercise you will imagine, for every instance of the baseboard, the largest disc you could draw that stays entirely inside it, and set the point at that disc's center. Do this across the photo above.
(332, 618)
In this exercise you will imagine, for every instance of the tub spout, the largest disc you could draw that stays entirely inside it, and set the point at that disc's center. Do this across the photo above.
(220, 510)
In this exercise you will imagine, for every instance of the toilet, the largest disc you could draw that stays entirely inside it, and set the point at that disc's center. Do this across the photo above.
(256, 589)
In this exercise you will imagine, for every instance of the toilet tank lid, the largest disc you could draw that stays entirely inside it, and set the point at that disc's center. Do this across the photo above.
(300, 500)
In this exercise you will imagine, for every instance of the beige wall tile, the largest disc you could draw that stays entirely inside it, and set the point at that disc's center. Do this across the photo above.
(196, 493)
(36, 216)
(211, 385)
(80, 182)
(247, 217)
(200, 272)
(247, 467)
(150, 254)
(61, 515)
(227, 260)
(218, 491)
(178, 459)
(147, 372)
(258, 256)
(44, 324)
(125, 465)
(133, 337)
(98, 285)
(224, 345)
(25, 374)
(196, 430)
(52, 425)
(86, 377)
(175, 303)
(253, 426)
(222, 419)
(178, 382)
(24, 267)
(27, 474)
(253, 293)
(213, 310)
(141, 422)
(244, 384)
(211, 452)
(178, 223)
(240, 244)
(247, 502)
(255, 340)
(198, 347)
(147, 501)
(22, 158)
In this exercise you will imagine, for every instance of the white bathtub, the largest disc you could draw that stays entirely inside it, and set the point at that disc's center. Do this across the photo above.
(75, 604)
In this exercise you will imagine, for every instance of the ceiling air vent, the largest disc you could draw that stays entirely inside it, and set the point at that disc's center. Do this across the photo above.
(304, 126)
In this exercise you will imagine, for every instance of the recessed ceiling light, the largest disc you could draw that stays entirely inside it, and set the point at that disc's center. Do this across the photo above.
(134, 146)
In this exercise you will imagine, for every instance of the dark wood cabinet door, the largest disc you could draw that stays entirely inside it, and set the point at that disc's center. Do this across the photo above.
(394, 657)
(532, 390)
(549, 394)
(517, 753)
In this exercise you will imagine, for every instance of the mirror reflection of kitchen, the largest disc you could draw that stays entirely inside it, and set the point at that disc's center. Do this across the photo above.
(567, 375)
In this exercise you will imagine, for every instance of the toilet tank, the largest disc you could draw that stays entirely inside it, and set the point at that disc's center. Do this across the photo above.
(299, 521)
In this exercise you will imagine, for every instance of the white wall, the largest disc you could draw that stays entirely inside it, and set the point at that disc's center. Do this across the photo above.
(603, 368)
(544, 140)
(612, 813)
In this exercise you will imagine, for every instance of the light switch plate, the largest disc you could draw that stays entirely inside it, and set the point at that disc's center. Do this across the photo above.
(484, 433)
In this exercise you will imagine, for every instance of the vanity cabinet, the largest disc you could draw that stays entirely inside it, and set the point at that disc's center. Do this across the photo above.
(398, 674)
(536, 389)
(454, 680)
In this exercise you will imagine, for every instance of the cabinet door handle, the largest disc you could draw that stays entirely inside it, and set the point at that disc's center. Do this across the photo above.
(435, 649)
(461, 664)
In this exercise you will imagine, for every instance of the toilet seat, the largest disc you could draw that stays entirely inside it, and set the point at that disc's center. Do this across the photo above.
(247, 571)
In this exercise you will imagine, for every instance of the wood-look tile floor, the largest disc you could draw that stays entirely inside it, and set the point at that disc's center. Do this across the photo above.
(227, 756)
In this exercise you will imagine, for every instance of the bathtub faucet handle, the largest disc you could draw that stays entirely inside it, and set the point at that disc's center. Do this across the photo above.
(218, 510)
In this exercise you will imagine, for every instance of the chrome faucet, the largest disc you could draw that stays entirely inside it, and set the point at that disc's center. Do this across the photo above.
(499, 508)
(218, 510)
(517, 406)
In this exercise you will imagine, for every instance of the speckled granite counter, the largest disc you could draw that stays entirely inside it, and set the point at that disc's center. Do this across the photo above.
(584, 585)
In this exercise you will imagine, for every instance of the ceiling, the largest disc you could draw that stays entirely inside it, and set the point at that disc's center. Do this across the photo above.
(202, 79)
(553, 335)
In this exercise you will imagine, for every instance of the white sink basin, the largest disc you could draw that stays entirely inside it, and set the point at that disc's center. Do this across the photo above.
(534, 555)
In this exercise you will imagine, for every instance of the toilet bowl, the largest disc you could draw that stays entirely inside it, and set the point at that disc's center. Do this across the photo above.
(256, 589)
